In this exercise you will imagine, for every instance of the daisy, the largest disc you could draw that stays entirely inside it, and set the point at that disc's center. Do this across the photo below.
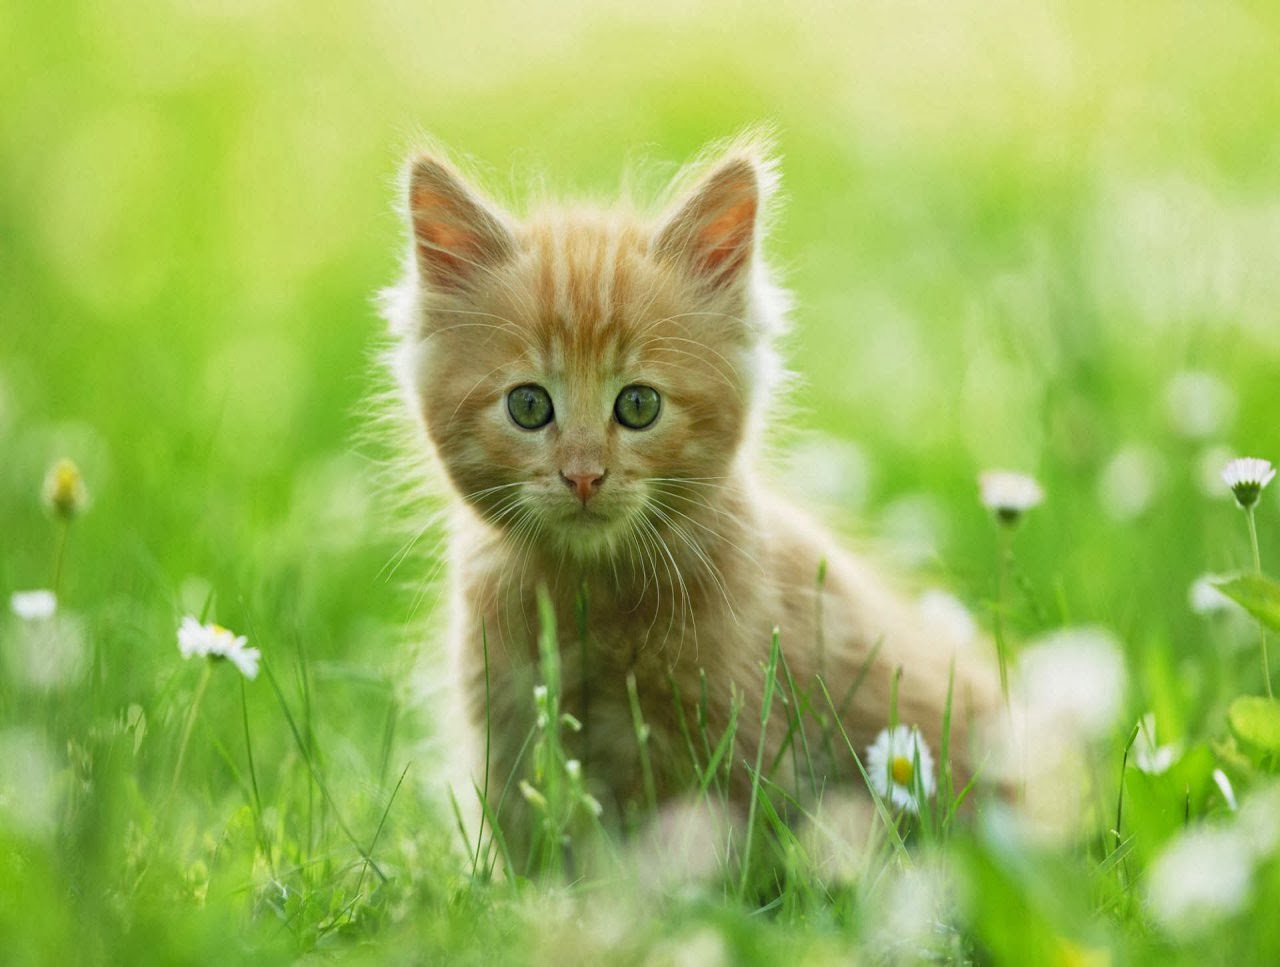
(900, 767)
(1009, 494)
(215, 641)
(1246, 476)
(34, 605)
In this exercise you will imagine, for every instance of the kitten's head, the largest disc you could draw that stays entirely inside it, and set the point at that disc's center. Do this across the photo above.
(585, 373)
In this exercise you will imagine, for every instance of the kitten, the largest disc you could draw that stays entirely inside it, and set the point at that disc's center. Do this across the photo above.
(593, 384)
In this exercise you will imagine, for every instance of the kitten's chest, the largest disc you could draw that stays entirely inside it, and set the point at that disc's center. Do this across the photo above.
(644, 631)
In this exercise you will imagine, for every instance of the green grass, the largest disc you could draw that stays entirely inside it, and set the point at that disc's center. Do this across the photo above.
(1007, 229)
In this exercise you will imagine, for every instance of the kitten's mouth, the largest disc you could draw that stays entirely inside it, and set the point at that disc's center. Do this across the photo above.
(587, 517)
(588, 520)
(587, 532)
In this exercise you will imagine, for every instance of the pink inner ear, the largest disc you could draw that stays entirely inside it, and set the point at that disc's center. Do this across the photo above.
(446, 246)
(724, 243)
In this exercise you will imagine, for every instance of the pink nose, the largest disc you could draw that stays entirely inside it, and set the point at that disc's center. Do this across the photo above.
(584, 485)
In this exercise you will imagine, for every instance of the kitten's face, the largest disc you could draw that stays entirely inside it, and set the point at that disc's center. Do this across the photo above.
(583, 377)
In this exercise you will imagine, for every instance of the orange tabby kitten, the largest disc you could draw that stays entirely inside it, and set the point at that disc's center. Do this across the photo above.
(593, 385)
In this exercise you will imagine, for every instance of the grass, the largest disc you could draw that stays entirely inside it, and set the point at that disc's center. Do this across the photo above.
(1008, 230)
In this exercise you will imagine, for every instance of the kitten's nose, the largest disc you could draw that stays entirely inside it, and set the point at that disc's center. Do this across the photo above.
(583, 484)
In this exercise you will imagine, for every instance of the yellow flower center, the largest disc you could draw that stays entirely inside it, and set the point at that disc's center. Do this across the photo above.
(64, 489)
(219, 629)
(901, 770)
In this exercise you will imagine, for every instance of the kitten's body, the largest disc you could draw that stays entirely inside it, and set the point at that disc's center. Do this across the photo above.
(663, 555)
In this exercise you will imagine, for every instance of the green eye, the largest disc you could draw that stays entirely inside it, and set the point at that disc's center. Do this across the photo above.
(530, 406)
(637, 406)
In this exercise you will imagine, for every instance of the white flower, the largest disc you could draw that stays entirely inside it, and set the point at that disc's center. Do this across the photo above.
(215, 641)
(1204, 597)
(1203, 875)
(1008, 494)
(1198, 404)
(1149, 757)
(34, 605)
(892, 761)
(1073, 678)
(1246, 476)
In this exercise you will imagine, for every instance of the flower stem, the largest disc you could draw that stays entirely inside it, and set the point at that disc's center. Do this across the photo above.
(59, 552)
(191, 723)
(1002, 593)
(1257, 569)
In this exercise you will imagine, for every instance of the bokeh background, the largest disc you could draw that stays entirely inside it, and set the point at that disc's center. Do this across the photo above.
(1038, 236)
(1007, 227)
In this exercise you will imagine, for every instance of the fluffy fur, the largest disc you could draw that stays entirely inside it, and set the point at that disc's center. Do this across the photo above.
(686, 560)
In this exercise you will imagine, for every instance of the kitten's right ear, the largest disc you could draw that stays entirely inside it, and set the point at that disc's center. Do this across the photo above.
(455, 234)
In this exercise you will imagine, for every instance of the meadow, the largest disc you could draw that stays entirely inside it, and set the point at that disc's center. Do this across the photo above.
(1040, 237)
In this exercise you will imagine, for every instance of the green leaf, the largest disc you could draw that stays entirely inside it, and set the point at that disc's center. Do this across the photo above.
(1258, 595)
(1256, 722)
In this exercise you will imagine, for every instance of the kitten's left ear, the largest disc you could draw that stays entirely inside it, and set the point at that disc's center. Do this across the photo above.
(456, 235)
(712, 233)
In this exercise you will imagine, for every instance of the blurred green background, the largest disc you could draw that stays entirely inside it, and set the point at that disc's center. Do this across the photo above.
(1006, 226)
(1009, 227)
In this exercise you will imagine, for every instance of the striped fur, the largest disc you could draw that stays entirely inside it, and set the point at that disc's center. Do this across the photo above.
(686, 561)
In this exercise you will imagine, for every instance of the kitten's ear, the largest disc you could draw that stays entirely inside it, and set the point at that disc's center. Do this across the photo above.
(455, 234)
(713, 231)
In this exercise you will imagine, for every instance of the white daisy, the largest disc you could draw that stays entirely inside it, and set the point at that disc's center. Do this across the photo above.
(215, 641)
(1246, 476)
(1149, 757)
(892, 761)
(1009, 494)
(38, 605)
